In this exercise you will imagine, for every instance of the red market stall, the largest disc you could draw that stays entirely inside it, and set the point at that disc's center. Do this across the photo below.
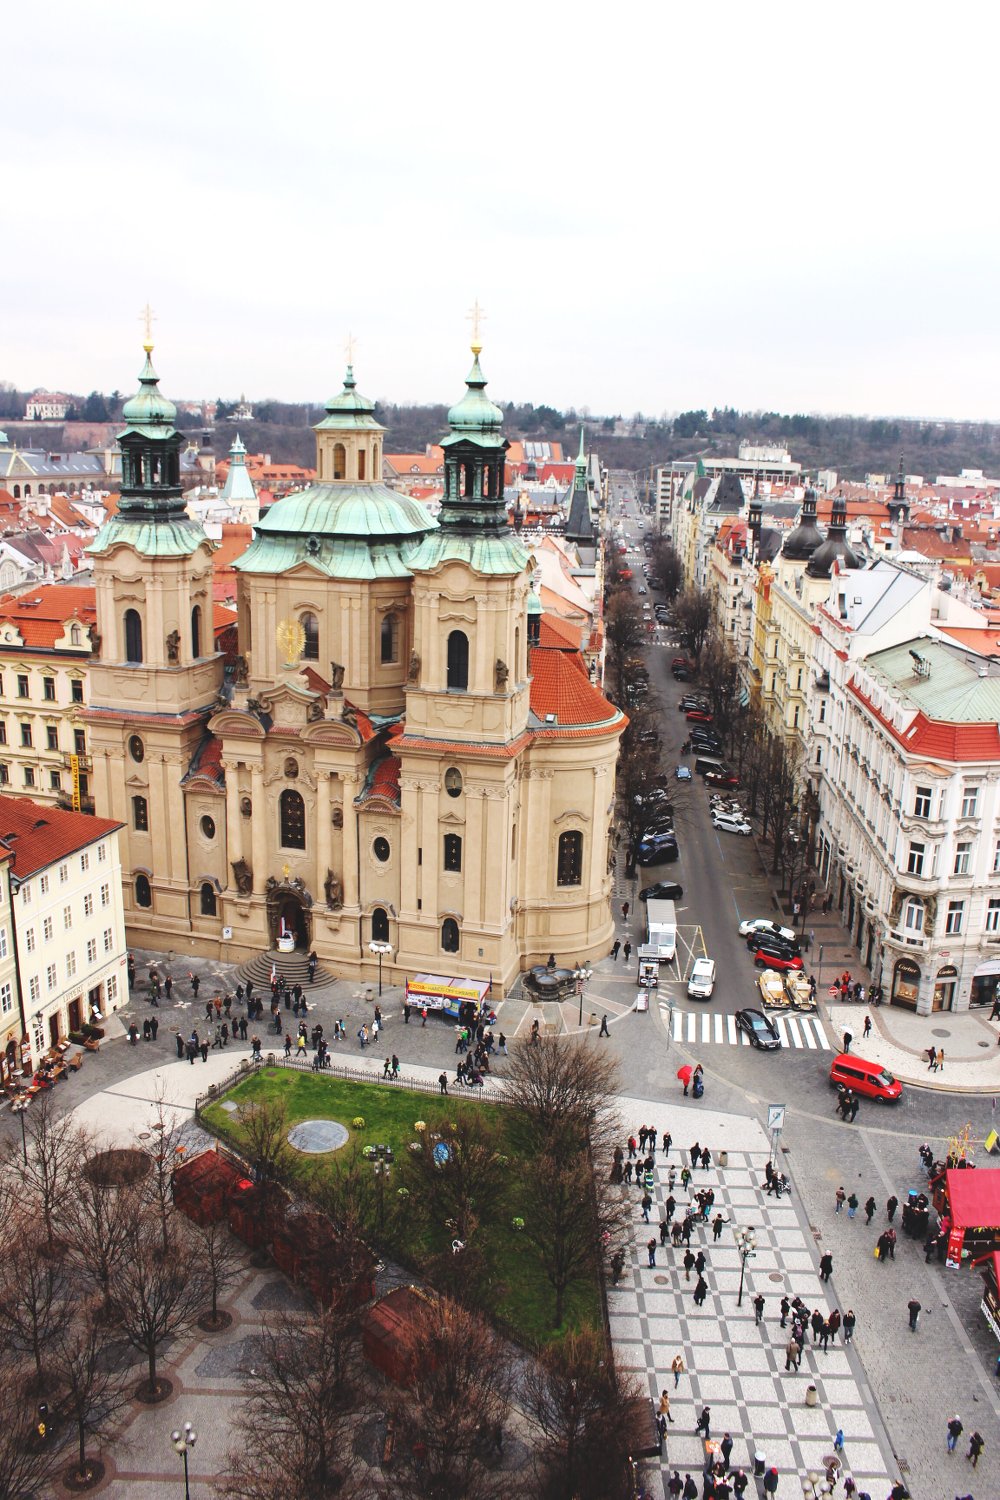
(388, 1332)
(202, 1186)
(968, 1202)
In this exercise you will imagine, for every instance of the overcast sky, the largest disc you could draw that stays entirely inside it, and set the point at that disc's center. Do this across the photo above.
(660, 206)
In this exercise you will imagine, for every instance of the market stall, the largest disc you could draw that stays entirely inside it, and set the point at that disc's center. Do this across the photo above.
(464, 1000)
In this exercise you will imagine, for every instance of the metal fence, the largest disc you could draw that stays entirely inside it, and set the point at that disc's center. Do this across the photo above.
(249, 1066)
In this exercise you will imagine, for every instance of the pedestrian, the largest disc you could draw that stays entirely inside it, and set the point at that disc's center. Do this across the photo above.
(771, 1481)
(740, 1481)
(651, 1251)
(203, 1049)
(891, 1205)
(955, 1431)
(726, 1448)
(816, 1323)
(706, 1159)
(758, 1306)
(627, 950)
(855, 1106)
(826, 1267)
(976, 1445)
(674, 1486)
(841, 1199)
(868, 1027)
(423, 1015)
(913, 1307)
(661, 1429)
(178, 1038)
(406, 1012)
(677, 1369)
(793, 1353)
(647, 1204)
(168, 985)
(870, 1207)
(395, 1066)
(690, 1488)
(882, 1248)
(786, 1308)
(700, 1292)
(667, 1142)
(616, 949)
(848, 1039)
(688, 1264)
(931, 1059)
(624, 911)
(824, 1334)
(940, 1060)
(852, 1205)
(704, 1421)
(717, 1224)
(195, 982)
(443, 1082)
(288, 1044)
(643, 1137)
(700, 1262)
(695, 1153)
(833, 1322)
(850, 1319)
(604, 1028)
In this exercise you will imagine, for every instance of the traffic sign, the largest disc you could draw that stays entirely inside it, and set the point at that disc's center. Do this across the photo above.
(775, 1116)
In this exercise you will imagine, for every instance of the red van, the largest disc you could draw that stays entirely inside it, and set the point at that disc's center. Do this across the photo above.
(870, 1080)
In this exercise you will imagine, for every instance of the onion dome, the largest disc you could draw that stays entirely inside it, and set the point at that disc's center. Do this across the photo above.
(835, 548)
(149, 408)
(349, 409)
(475, 414)
(802, 541)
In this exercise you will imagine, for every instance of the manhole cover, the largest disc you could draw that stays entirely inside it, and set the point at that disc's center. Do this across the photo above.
(938, 1031)
(661, 1280)
(315, 1136)
(775, 1276)
(983, 1044)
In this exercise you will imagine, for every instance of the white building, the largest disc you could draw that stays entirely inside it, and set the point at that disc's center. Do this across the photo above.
(66, 890)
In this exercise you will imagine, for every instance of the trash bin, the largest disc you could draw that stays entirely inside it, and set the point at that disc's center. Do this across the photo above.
(723, 1158)
(759, 1465)
(812, 1395)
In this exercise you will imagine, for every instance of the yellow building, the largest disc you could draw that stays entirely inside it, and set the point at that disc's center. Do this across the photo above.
(395, 758)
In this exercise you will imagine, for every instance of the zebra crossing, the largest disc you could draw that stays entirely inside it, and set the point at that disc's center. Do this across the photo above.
(701, 1028)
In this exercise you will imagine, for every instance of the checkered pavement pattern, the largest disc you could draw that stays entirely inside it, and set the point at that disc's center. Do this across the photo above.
(734, 1366)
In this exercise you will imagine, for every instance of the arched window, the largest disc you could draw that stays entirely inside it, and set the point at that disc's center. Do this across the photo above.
(133, 635)
(452, 851)
(380, 925)
(196, 632)
(208, 899)
(569, 866)
(310, 624)
(458, 661)
(293, 820)
(143, 894)
(339, 460)
(449, 935)
(390, 639)
(17, 492)
(362, 456)
(517, 653)
(913, 915)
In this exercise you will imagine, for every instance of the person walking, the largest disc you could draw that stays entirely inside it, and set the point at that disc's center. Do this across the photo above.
(443, 1082)
(870, 1207)
(700, 1292)
(700, 1262)
(848, 1039)
(604, 1027)
(840, 1198)
(931, 1059)
(627, 950)
(976, 1445)
(695, 1153)
(624, 911)
(675, 1485)
(717, 1225)
(688, 1264)
(690, 1488)
(940, 1060)
(677, 1369)
(665, 1406)
(726, 1448)
(890, 1207)
(850, 1319)
(616, 948)
(833, 1322)
(704, 1422)
(913, 1308)
(195, 983)
(868, 1027)
(826, 1267)
(771, 1481)
(758, 1306)
(955, 1430)
(786, 1308)
(651, 1251)
(793, 1353)
(852, 1205)
(647, 1204)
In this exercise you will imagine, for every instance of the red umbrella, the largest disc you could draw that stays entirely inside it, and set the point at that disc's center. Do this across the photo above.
(684, 1074)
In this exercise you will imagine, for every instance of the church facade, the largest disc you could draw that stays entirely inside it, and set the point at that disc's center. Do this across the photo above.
(395, 758)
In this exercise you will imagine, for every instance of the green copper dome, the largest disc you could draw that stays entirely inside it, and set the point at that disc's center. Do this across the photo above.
(343, 530)
(149, 411)
(350, 410)
(475, 417)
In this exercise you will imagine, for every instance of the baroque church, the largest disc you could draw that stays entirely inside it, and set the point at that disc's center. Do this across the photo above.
(399, 755)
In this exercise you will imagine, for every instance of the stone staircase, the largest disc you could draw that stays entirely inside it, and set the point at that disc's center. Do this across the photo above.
(293, 967)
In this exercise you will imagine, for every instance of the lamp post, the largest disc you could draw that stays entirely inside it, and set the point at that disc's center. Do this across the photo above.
(746, 1244)
(581, 974)
(384, 950)
(184, 1441)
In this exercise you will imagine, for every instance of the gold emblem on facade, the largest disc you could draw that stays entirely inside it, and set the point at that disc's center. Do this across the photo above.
(291, 638)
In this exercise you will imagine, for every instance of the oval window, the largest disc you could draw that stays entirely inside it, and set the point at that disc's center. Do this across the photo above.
(208, 827)
(453, 781)
(380, 849)
(136, 748)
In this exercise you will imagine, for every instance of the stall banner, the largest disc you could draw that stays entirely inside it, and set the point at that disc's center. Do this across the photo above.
(954, 1255)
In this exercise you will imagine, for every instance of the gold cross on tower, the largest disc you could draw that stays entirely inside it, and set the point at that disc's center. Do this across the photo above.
(476, 317)
(350, 347)
(147, 319)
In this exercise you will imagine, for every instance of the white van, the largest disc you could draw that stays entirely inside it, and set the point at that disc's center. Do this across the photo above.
(701, 980)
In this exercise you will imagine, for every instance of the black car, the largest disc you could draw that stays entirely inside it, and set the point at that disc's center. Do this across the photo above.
(661, 849)
(762, 1032)
(764, 939)
(663, 890)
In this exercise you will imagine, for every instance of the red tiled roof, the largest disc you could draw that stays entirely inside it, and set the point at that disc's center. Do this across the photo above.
(416, 463)
(384, 784)
(558, 634)
(38, 836)
(559, 687)
(42, 623)
(938, 738)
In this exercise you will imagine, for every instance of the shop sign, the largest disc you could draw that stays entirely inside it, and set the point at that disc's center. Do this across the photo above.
(954, 1255)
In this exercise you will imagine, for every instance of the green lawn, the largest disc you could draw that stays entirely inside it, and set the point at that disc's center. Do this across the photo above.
(390, 1112)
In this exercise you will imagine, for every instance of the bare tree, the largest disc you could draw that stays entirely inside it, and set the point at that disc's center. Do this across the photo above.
(55, 1147)
(586, 1413)
(693, 609)
(263, 1128)
(449, 1420)
(34, 1295)
(306, 1389)
(567, 1089)
(28, 1460)
(223, 1263)
(571, 1217)
(624, 631)
(667, 566)
(158, 1293)
(93, 1385)
(99, 1215)
(165, 1150)
(466, 1181)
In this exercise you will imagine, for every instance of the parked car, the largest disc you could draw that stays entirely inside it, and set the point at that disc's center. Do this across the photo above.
(728, 823)
(660, 850)
(721, 778)
(681, 674)
(682, 662)
(692, 700)
(761, 925)
(869, 1079)
(683, 773)
(772, 990)
(699, 716)
(663, 890)
(799, 991)
(769, 956)
(762, 1032)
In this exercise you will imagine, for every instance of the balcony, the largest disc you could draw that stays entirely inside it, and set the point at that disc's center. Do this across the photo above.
(84, 762)
(919, 885)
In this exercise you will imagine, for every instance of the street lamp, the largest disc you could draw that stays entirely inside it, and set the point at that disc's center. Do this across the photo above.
(184, 1442)
(384, 950)
(581, 974)
(746, 1244)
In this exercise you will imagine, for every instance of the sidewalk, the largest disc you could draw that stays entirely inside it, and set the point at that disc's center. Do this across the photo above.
(899, 1040)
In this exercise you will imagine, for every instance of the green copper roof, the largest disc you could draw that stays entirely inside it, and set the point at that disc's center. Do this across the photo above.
(490, 555)
(350, 410)
(344, 530)
(534, 605)
(336, 557)
(177, 537)
(475, 419)
(149, 411)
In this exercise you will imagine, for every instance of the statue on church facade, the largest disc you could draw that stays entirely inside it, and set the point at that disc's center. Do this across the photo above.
(413, 675)
(500, 674)
(336, 677)
(243, 875)
(174, 647)
(334, 891)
